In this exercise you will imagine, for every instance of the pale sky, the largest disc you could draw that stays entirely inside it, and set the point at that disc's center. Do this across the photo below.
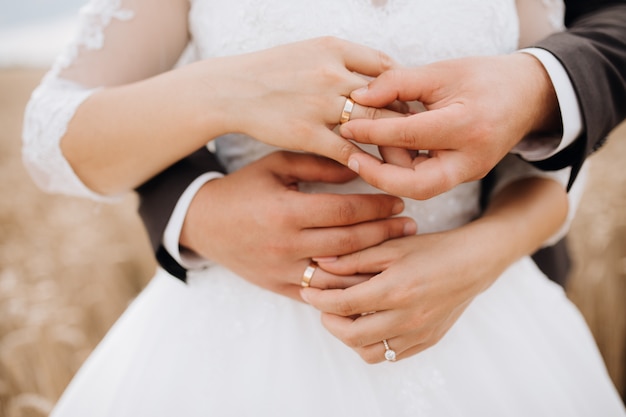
(14, 12)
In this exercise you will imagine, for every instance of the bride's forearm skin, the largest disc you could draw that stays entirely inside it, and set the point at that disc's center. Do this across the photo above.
(532, 210)
(290, 96)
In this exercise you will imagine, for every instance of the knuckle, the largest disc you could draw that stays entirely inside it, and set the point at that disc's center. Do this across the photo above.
(276, 248)
(406, 138)
(346, 212)
(302, 129)
(385, 62)
(347, 243)
(345, 308)
(395, 75)
(344, 150)
(478, 132)
(353, 341)
(373, 113)
(328, 41)
(330, 75)
(414, 324)
(430, 338)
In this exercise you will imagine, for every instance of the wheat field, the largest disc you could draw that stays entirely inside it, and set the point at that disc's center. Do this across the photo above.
(69, 267)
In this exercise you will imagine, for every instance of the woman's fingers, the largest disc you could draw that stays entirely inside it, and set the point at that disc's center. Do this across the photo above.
(323, 280)
(365, 334)
(362, 59)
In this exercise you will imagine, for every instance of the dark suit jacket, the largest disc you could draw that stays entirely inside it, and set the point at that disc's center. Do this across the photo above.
(593, 52)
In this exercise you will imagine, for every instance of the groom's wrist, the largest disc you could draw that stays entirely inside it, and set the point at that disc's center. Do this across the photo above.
(177, 238)
(541, 146)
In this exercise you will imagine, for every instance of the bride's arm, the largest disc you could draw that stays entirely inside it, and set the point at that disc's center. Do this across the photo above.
(117, 43)
(428, 280)
(289, 96)
(140, 115)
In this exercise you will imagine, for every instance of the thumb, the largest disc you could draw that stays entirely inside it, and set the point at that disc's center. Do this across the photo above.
(406, 84)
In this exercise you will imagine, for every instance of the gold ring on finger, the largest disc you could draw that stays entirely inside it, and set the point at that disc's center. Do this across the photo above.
(347, 111)
(308, 275)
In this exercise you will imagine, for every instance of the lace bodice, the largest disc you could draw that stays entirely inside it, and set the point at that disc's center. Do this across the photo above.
(414, 32)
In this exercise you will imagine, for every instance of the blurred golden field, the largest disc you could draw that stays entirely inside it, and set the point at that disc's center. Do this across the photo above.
(69, 267)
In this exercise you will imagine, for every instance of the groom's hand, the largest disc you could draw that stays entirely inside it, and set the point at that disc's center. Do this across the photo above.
(256, 223)
(477, 110)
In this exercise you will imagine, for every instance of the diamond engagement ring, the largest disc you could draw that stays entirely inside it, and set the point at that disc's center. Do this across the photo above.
(390, 354)
(308, 275)
(347, 111)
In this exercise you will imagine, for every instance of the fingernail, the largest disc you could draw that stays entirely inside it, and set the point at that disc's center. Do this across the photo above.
(323, 259)
(353, 165)
(303, 294)
(398, 207)
(410, 228)
(345, 132)
(360, 91)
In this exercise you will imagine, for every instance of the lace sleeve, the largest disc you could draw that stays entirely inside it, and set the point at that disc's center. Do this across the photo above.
(118, 42)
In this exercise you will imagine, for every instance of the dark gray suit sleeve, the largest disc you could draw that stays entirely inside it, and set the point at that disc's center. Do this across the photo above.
(158, 197)
(593, 52)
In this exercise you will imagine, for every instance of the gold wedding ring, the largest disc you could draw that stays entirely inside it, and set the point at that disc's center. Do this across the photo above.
(308, 275)
(347, 110)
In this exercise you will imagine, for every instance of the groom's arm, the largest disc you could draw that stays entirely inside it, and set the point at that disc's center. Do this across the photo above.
(588, 47)
(593, 53)
(159, 196)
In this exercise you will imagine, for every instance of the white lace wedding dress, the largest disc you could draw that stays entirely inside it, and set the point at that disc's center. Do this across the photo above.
(220, 346)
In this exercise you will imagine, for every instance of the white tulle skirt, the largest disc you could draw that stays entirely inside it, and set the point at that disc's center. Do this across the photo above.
(220, 346)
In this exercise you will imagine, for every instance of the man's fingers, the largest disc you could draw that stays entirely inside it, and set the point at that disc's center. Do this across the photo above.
(429, 130)
(300, 167)
(367, 261)
(427, 179)
(374, 113)
(344, 209)
(404, 84)
(332, 242)
(331, 145)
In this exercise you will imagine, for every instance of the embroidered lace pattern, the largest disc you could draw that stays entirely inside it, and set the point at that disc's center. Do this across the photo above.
(54, 103)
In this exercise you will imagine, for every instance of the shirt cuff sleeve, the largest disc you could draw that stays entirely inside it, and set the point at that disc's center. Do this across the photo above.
(171, 236)
(540, 147)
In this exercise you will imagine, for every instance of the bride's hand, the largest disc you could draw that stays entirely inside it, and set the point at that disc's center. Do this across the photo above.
(423, 283)
(426, 282)
(293, 96)
(256, 222)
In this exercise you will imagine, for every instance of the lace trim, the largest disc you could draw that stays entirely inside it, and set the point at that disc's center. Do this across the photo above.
(54, 103)
(48, 113)
(95, 17)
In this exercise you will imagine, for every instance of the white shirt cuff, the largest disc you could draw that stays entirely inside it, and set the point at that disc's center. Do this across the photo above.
(540, 147)
(171, 236)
